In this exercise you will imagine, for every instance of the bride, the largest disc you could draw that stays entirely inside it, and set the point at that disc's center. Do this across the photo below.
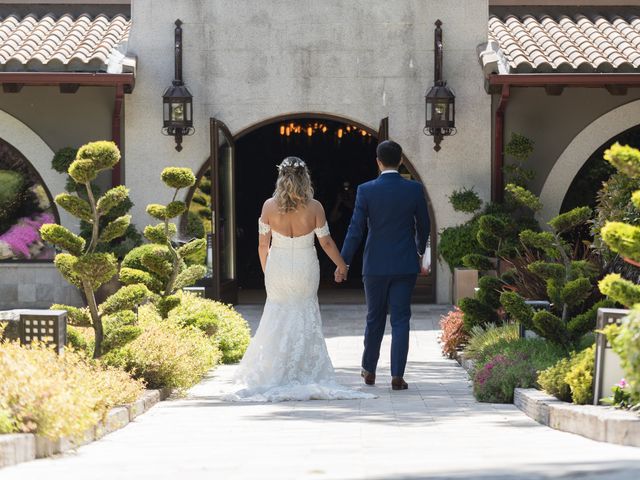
(288, 359)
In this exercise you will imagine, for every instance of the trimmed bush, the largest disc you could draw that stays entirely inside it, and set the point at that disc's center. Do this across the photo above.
(165, 354)
(552, 380)
(226, 327)
(58, 395)
(571, 379)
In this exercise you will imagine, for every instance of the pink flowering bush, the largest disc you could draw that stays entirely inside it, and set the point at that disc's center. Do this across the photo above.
(453, 334)
(23, 238)
(513, 364)
(496, 380)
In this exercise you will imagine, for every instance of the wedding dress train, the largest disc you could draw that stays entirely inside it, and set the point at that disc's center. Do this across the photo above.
(287, 359)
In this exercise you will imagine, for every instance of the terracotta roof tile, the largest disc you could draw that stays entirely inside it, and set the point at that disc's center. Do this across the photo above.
(565, 44)
(64, 43)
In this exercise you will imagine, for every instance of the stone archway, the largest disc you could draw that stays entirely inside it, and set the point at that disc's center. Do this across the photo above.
(38, 154)
(580, 149)
(426, 287)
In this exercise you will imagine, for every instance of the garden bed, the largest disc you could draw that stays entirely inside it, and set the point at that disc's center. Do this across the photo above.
(23, 447)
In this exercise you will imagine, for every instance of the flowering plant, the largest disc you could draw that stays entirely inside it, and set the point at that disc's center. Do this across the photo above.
(453, 335)
(496, 380)
(621, 397)
(22, 236)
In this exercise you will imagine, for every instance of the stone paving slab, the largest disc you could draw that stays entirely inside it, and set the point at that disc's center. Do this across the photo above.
(433, 430)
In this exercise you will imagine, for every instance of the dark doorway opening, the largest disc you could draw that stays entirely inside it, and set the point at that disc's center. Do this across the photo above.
(340, 156)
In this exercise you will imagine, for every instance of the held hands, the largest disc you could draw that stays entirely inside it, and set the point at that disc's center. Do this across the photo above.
(341, 273)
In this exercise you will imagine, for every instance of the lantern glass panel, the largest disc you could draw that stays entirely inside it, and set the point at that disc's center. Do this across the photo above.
(189, 113)
(177, 112)
(166, 112)
(429, 110)
(440, 110)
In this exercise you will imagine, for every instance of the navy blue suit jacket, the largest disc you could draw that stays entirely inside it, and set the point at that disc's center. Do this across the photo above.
(395, 211)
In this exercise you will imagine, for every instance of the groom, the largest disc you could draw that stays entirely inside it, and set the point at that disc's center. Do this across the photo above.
(395, 211)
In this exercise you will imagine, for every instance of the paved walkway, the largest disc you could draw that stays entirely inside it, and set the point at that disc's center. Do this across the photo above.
(434, 430)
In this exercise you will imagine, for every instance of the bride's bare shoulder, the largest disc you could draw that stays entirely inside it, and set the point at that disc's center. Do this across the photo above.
(316, 205)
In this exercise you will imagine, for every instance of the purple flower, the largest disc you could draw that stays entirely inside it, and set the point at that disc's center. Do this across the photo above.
(25, 233)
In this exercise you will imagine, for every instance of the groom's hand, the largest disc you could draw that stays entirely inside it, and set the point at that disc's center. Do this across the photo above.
(423, 271)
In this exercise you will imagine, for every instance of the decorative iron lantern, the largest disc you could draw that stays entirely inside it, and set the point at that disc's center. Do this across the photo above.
(177, 99)
(439, 99)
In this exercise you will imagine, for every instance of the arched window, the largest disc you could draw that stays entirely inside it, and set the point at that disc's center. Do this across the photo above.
(25, 205)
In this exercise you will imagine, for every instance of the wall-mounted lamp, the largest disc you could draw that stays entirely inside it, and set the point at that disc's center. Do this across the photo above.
(177, 99)
(439, 99)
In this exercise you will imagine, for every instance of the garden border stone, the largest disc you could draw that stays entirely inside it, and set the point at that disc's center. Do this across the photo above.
(604, 424)
(23, 447)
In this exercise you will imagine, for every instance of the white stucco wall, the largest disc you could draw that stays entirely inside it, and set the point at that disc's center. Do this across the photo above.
(247, 60)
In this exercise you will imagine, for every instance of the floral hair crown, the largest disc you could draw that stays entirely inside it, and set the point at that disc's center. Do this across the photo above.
(291, 163)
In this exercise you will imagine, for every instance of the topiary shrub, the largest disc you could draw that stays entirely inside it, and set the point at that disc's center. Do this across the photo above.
(84, 265)
(226, 327)
(568, 281)
(162, 267)
(165, 354)
(465, 200)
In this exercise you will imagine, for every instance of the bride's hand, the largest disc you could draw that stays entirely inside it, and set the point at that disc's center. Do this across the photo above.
(341, 273)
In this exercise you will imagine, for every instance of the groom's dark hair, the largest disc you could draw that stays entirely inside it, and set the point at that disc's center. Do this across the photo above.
(389, 153)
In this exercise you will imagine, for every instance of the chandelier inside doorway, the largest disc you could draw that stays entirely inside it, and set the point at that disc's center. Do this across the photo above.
(319, 128)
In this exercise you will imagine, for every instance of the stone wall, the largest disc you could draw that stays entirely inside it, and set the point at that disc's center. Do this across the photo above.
(248, 61)
(34, 285)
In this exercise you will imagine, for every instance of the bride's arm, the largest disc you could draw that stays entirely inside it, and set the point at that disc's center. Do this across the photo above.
(264, 237)
(327, 243)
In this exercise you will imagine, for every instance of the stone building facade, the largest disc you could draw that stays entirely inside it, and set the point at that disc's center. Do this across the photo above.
(251, 63)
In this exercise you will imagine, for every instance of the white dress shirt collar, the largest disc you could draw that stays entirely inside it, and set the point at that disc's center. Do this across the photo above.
(388, 171)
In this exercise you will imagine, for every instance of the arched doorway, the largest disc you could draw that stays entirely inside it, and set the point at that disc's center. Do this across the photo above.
(572, 159)
(25, 205)
(340, 154)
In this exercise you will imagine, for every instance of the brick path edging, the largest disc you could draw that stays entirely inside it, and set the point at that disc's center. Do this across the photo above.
(604, 424)
(23, 447)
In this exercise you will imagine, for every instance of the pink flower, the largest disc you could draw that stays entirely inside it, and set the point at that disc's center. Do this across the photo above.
(25, 233)
(622, 383)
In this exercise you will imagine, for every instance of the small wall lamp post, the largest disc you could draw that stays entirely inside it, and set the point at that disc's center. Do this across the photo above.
(177, 100)
(439, 99)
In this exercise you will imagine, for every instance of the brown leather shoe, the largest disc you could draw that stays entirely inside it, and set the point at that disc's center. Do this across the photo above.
(398, 383)
(369, 378)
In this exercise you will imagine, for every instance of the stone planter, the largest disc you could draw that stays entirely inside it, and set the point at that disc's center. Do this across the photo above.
(465, 281)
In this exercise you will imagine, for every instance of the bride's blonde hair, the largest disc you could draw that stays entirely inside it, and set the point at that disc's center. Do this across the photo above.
(293, 187)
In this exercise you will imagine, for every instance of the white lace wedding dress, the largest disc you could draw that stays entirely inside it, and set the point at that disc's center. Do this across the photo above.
(287, 359)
